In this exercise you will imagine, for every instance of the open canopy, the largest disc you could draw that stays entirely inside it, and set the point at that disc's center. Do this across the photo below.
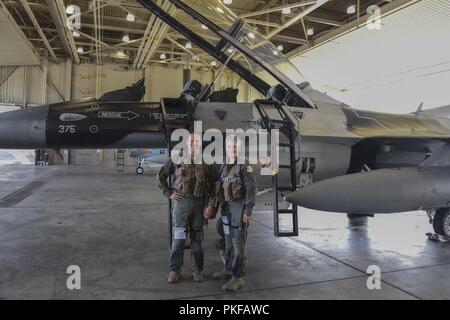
(256, 59)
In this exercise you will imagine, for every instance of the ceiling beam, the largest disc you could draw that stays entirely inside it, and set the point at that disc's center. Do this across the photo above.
(324, 21)
(283, 38)
(297, 17)
(58, 14)
(274, 9)
(146, 39)
(262, 23)
(38, 28)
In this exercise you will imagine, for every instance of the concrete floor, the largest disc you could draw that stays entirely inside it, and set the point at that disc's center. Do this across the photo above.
(114, 227)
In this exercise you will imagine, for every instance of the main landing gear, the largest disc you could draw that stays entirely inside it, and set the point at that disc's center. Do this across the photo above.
(440, 218)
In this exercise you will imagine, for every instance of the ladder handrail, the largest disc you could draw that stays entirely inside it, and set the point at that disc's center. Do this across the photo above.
(268, 123)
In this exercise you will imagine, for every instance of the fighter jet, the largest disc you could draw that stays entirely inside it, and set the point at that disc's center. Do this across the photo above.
(150, 156)
(332, 157)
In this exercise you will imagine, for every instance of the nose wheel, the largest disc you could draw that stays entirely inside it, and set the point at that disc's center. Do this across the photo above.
(139, 170)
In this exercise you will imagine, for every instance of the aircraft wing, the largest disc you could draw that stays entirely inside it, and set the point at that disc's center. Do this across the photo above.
(382, 126)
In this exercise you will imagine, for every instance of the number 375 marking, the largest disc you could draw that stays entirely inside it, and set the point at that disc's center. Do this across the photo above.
(70, 129)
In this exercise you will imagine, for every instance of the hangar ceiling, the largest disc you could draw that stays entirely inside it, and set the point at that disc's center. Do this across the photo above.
(16, 49)
(123, 30)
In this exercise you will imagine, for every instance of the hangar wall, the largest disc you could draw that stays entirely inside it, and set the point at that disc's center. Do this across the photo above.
(74, 82)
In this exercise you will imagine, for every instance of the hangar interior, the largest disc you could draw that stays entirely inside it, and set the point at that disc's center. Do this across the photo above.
(88, 207)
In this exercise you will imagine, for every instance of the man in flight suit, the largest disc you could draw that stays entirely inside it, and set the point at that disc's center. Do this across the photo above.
(192, 187)
(238, 188)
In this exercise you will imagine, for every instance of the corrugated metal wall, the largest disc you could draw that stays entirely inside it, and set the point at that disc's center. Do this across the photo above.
(161, 81)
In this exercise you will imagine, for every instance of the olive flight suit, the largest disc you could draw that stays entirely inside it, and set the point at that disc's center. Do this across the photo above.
(239, 193)
(196, 183)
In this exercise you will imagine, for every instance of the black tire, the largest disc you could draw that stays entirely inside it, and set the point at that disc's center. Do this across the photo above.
(139, 170)
(357, 216)
(219, 227)
(441, 222)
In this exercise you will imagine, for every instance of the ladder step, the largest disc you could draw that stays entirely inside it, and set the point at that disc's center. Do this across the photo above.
(285, 145)
(286, 211)
(278, 121)
(288, 234)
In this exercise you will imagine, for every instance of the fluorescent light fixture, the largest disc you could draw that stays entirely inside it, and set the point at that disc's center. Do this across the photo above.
(130, 17)
(188, 45)
(286, 10)
(280, 47)
(214, 63)
(80, 50)
(310, 31)
(126, 38)
(351, 9)
(121, 54)
(227, 1)
(76, 34)
(275, 52)
(70, 9)
(162, 56)
(251, 35)
(204, 27)
(230, 50)
(219, 10)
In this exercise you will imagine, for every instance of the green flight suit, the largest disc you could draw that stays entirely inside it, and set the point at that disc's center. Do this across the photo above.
(239, 192)
(196, 184)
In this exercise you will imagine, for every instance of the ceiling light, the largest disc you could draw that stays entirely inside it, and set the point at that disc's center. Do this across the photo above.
(310, 31)
(130, 17)
(162, 56)
(76, 34)
(286, 10)
(219, 10)
(230, 50)
(214, 63)
(275, 52)
(126, 38)
(227, 1)
(204, 27)
(70, 9)
(121, 54)
(280, 47)
(80, 50)
(251, 35)
(188, 45)
(351, 9)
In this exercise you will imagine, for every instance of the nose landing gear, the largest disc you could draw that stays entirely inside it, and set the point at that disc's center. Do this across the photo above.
(140, 168)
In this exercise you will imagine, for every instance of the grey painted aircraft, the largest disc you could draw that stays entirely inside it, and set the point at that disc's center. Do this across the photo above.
(342, 159)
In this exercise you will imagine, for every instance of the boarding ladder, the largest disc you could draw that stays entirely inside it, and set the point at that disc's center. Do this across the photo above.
(274, 116)
(120, 160)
